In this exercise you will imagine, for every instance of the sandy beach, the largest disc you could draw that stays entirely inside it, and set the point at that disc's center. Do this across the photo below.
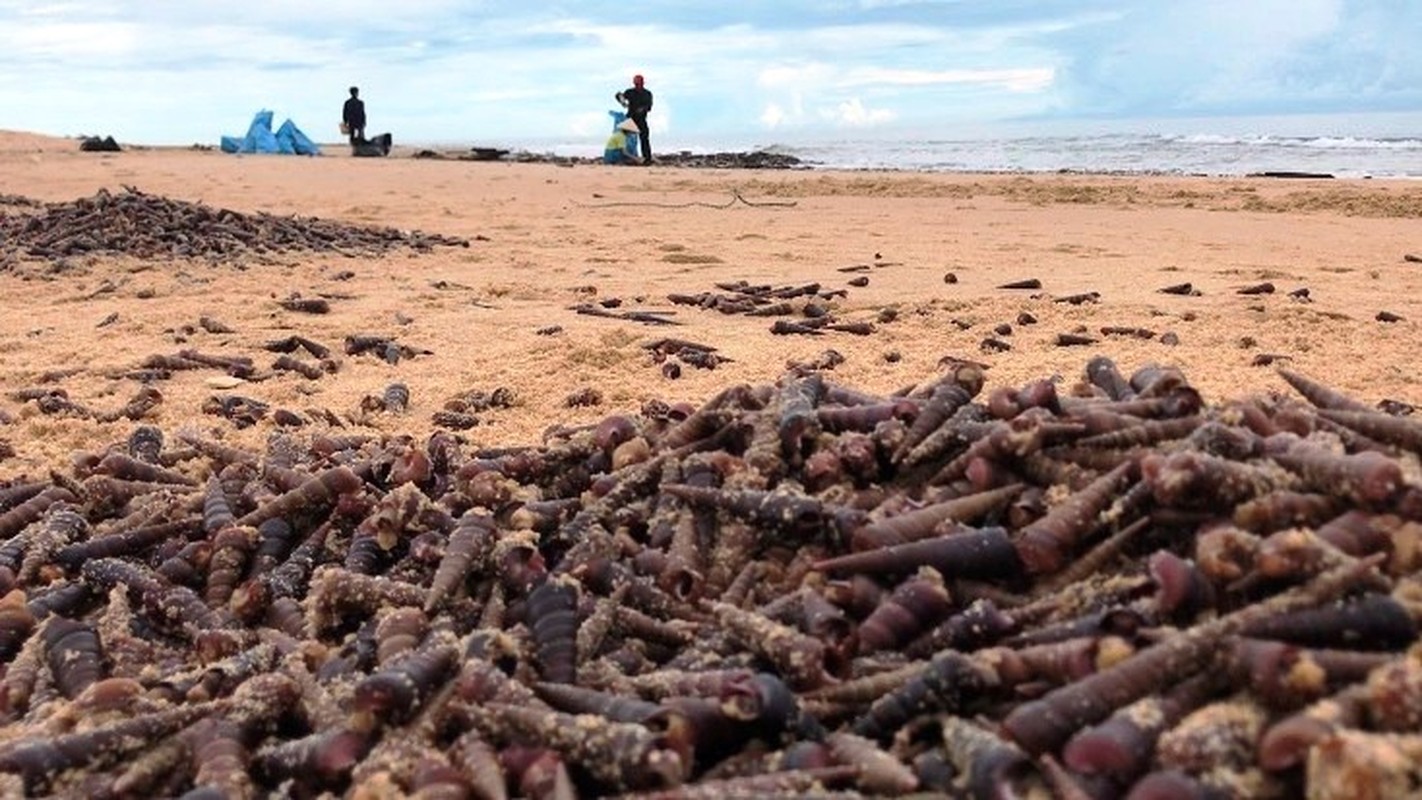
(544, 238)
(511, 302)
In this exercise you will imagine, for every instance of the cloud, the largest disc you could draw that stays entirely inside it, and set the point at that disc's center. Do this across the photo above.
(1025, 79)
(1228, 57)
(182, 70)
(853, 113)
(773, 116)
(780, 76)
(57, 42)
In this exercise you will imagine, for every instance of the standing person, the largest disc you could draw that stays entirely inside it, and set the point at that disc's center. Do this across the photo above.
(638, 101)
(353, 115)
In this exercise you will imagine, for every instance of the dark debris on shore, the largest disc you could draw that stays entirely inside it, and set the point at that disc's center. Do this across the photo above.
(755, 159)
(147, 226)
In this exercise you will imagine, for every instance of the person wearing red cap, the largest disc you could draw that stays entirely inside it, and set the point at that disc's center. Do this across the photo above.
(638, 101)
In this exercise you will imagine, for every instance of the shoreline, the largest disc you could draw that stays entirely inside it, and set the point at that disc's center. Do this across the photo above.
(771, 157)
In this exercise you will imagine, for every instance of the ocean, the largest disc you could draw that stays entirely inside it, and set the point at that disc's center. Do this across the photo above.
(1133, 154)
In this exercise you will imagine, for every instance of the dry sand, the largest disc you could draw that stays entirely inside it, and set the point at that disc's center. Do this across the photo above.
(546, 237)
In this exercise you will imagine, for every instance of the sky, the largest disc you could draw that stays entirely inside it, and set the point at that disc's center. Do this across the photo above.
(469, 71)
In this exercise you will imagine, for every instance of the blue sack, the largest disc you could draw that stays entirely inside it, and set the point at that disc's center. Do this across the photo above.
(300, 141)
(288, 139)
(260, 138)
(292, 140)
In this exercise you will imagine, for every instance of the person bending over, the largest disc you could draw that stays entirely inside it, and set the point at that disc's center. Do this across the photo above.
(619, 149)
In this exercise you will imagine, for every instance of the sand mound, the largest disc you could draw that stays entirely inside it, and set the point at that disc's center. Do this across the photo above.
(24, 142)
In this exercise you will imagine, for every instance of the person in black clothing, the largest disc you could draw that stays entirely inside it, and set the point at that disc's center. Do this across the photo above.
(638, 101)
(353, 115)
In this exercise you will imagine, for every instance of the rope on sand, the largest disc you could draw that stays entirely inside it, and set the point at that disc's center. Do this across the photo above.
(735, 198)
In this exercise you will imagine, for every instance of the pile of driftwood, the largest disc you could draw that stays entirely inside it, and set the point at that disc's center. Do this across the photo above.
(791, 589)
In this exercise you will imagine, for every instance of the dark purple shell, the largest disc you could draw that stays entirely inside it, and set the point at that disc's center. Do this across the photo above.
(552, 616)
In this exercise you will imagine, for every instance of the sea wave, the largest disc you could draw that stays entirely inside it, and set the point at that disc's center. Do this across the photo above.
(1317, 142)
(1204, 153)
(1146, 154)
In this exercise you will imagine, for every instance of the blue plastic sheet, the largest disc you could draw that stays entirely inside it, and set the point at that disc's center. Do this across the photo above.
(260, 138)
(290, 136)
(288, 139)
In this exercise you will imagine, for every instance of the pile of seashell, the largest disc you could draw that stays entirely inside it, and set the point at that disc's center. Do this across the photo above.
(148, 226)
(798, 588)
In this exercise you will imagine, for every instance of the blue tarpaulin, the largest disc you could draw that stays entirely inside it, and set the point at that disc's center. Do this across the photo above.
(287, 139)
(291, 140)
